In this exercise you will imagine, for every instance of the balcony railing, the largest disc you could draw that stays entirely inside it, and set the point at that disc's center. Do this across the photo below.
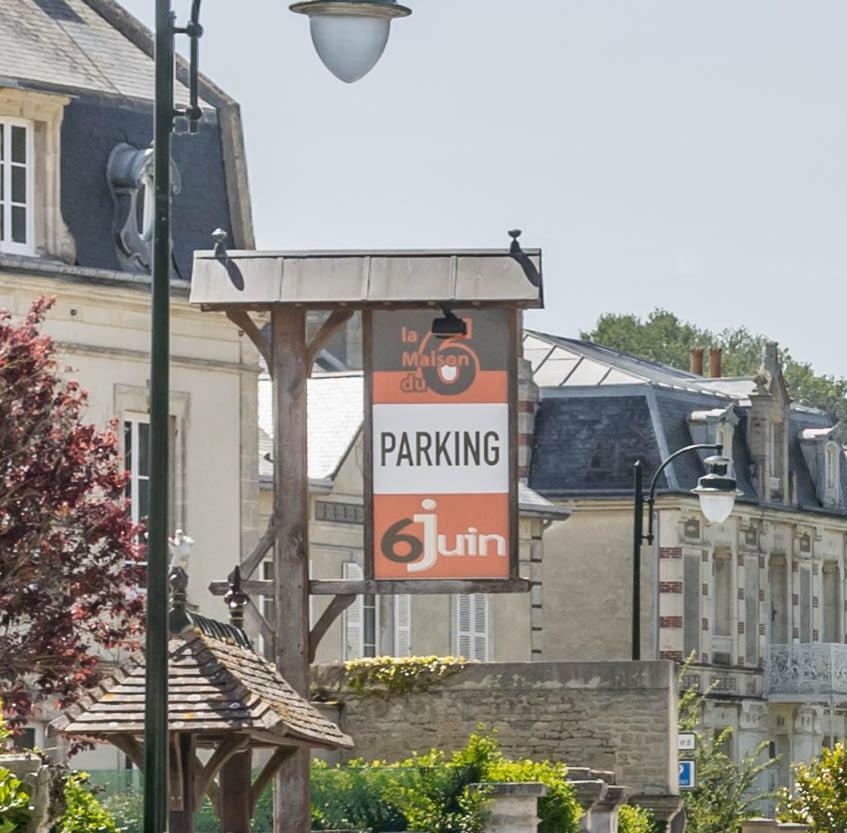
(815, 669)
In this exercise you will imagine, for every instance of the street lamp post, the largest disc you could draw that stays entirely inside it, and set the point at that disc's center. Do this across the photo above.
(716, 490)
(350, 36)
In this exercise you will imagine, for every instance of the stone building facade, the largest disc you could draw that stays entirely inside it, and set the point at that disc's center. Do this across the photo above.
(76, 117)
(757, 602)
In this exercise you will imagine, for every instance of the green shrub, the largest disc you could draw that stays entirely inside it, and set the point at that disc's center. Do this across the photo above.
(387, 676)
(14, 803)
(820, 793)
(83, 812)
(431, 792)
(632, 819)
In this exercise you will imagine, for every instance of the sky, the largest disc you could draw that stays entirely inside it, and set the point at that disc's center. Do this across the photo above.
(684, 154)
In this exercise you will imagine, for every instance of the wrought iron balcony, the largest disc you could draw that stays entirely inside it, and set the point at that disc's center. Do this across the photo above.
(816, 669)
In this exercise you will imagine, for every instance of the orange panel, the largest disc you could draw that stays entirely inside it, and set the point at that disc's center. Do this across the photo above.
(441, 536)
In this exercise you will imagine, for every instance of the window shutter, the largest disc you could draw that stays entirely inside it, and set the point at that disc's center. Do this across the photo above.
(472, 627)
(691, 601)
(311, 597)
(403, 625)
(463, 626)
(353, 647)
(480, 621)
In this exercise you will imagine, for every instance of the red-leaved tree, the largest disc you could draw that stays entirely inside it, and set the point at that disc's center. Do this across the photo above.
(69, 551)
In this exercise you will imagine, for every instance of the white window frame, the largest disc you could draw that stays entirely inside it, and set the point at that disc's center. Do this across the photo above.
(353, 621)
(7, 246)
(474, 602)
(832, 454)
(135, 420)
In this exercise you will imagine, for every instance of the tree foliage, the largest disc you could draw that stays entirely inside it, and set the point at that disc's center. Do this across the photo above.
(663, 337)
(68, 547)
(820, 793)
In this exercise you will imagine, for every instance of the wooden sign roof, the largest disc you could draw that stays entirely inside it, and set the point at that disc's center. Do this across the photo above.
(250, 280)
(218, 686)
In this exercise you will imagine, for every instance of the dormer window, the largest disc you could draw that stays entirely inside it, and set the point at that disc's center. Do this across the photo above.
(832, 457)
(16, 187)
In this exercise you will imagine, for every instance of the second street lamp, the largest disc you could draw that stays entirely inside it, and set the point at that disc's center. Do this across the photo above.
(717, 491)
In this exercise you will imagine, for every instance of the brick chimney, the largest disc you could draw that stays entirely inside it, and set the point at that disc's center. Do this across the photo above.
(715, 354)
(697, 360)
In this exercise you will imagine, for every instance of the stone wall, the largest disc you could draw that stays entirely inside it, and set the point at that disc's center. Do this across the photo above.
(619, 716)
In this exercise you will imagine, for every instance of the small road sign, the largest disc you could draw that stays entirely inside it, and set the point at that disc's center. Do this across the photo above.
(687, 775)
(687, 742)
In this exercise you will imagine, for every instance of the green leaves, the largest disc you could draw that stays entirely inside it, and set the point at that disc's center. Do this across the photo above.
(386, 676)
(431, 792)
(84, 813)
(14, 804)
(820, 793)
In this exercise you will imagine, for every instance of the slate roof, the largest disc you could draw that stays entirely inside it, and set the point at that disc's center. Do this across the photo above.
(600, 410)
(335, 419)
(101, 56)
(67, 44)
(217, 685)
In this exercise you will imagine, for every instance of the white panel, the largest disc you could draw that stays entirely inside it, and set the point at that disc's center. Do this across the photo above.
(422, 448)
(554, 371)
(352, 631)
(587, 373)
(403, 625)
(618, 377)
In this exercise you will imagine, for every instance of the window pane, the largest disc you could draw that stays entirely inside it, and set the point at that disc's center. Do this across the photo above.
(18, 184)
(18, 224)
(2, 140)
(723, 595)
(143, 449)
(2, 222)
(143, 499)
(19, 144)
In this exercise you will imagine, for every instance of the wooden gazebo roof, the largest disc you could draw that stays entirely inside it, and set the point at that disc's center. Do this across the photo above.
(218, 685)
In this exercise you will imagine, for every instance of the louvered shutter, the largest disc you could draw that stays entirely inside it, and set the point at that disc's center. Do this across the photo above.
(403, 625)
(479, 607)
(353, 647)
(463, 626)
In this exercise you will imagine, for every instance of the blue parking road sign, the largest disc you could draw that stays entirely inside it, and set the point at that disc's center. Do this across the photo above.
(687, 775)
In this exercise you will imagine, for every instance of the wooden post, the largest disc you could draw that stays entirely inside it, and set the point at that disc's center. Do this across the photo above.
(235, 791)
(182, 819)
(291, 561)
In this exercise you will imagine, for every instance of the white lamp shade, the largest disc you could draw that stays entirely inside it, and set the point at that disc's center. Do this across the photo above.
(716, 506)
(349, 45)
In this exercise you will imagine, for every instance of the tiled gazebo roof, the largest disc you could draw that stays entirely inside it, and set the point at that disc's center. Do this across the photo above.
(218, 686)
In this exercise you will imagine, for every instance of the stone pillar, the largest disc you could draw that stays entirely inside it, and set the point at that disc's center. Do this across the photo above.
(752, 731)
(587, 795)
(40, 783)
(808, 736)
(663, 807)
(604, 816)
(512, 808)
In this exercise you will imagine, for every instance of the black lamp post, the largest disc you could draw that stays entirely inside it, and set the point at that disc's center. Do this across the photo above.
(717, 491)
(350, 36)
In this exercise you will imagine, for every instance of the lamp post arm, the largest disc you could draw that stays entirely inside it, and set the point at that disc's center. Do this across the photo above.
(651, 495)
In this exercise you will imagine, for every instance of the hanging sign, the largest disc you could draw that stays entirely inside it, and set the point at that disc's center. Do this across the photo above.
(440, 446)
